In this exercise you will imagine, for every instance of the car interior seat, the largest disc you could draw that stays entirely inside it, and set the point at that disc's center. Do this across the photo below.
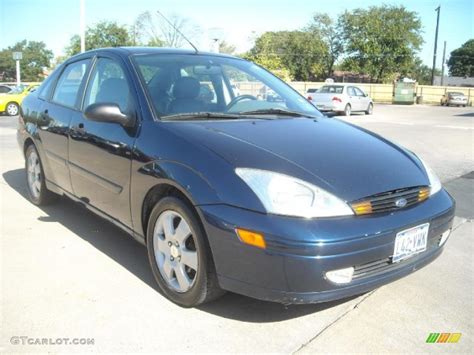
(185, 91)
(114, 90)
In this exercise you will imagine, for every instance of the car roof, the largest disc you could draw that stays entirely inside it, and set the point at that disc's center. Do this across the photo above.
(127, 51)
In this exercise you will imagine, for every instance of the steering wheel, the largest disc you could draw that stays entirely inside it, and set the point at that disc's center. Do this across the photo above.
(238, 99)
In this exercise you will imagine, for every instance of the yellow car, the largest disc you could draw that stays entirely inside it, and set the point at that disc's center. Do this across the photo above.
(10, 102)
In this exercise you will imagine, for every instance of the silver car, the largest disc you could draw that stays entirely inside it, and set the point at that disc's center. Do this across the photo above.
(454, 98)
(342, 98)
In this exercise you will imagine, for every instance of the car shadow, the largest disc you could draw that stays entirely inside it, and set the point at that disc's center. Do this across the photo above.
(467, 114)
(123, 249)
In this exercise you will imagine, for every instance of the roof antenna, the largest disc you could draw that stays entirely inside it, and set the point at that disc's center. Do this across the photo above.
(177, 30)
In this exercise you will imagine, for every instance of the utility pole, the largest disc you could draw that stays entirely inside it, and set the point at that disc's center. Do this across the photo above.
(17, 56)
(82, 25)
(443, 63)
(438, 9)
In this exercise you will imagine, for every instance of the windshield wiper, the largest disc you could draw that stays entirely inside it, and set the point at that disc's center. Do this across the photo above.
(201, 115)
(275, 111)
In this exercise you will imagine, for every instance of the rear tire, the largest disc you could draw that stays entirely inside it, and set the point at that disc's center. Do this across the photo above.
(347, 110)
(35, 179)
(179, 254)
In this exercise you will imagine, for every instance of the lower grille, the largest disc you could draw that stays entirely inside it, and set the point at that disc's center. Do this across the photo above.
(371, 268)
(381, 265)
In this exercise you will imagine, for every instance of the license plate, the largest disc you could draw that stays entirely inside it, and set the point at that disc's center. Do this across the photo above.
(410, 242)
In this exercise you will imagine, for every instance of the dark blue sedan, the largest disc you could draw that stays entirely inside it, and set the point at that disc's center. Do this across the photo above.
(232, 179)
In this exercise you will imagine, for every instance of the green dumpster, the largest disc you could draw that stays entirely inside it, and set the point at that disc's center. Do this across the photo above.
(404, 93)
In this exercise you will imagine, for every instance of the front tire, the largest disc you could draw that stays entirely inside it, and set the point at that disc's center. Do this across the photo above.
(179, 254)
(370, 109)
(37, 190)
(12, 109)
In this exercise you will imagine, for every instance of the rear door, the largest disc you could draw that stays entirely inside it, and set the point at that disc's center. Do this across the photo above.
(353, 99)
(59, 108)
(364, 100)
(100, 152)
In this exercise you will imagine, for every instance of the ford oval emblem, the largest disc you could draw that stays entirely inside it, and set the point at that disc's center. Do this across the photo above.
(401, 202)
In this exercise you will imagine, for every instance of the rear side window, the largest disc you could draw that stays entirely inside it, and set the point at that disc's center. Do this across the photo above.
(44, 91)
(351, 91)
(69, 83)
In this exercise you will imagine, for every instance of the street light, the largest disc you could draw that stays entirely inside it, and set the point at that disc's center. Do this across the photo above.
(17, 56)
(82, 25)
(438, 9)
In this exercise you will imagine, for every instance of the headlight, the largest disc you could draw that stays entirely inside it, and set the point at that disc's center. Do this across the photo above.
(435, 183)
(285, 195)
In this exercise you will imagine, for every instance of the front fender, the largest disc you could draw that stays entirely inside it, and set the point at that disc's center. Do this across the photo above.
(184, 178)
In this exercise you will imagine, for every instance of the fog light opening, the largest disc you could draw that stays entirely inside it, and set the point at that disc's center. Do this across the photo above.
(341, 276)
(444, 237)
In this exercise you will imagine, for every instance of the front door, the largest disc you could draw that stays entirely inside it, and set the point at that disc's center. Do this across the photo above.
(100, 152)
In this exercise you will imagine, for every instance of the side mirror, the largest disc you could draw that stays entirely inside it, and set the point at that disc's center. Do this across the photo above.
(109, 113)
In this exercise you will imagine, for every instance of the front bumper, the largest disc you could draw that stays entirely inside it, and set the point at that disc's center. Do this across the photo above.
(300, 251)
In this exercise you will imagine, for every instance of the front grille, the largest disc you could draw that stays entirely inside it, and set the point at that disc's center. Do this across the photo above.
(391, 200)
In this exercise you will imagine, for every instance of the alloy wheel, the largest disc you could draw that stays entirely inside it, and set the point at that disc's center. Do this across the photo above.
(175, 251)
(347, 110)
(370, 110)
(12, 109)
(34, 174)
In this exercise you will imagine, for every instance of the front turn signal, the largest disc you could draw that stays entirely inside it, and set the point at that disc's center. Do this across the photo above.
(251, 238)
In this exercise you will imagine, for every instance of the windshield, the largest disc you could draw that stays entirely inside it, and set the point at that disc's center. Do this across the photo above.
(331, 89)
(17, 90)
(183, 84)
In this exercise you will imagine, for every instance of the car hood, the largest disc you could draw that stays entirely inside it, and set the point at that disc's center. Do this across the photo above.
(345, 160)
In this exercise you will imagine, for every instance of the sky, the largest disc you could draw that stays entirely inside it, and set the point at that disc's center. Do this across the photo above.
(55, 21)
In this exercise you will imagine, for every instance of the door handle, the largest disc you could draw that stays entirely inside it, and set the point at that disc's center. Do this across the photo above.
(44, 114)
(79, 129)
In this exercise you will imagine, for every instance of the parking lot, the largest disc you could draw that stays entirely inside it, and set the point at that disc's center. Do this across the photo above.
(68, 274)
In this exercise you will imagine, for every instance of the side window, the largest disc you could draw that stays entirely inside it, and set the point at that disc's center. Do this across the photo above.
(351, 91)
(108, 84)
(44, 91)
(359, 92)
(69, 83)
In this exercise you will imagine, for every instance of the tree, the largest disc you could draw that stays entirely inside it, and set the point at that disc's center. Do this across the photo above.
(381, 41)
(420, 72)
(103, 34)
(461, 60)
(154, 31)
(36, 58)
(226, 48)
(298, 52)
(330, 32)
